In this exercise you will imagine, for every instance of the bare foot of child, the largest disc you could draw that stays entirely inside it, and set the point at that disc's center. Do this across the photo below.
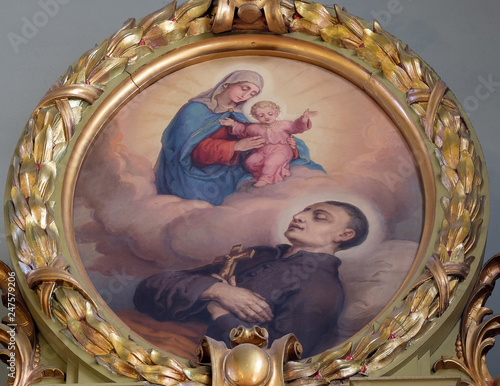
(260, 184)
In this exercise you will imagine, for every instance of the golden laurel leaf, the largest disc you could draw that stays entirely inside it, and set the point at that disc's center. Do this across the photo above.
(136, 53)
(368, 56)
(198, 26)
(23, 252)
(59, 132)
(160, 375)
(397, 318)
(27, 175)
(382, 45)
(69, 306)
(315, 13)
(465, 170)
(90, 60)
(369, 343)
(160, 359)
(42, 150)
(76, 329)
(305, 26)
(346, 370)
(124, 38)
(16, 219)
(117, 365)
(340, 36)
(412, 65)
(386, 354)
(458, 254)
(107, 70)
(59, 151)
(200, 375)
(22, 209)
(457, 203)
(354, 24)
(296, 370)
(67, 119)
(165, 33)
(332, 354)
(474, 203)
(165, 13)
(47, 180)
(191, 10)
(451, 148)
(37, 208)
(36, 239)
(464, 226)
(129, 351)
(379, 30)
(449, 177)
(96, 322)
(396, 75)
(77, 77)
(424, 296)
(58, 314)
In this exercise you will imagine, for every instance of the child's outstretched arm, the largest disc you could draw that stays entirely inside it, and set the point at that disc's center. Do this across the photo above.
(235, 127)
(308, 114)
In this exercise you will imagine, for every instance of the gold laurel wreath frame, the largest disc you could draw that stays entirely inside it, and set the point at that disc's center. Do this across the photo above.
(62, 127)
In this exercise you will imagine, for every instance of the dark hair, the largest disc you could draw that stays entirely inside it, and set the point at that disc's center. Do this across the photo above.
(358, 223)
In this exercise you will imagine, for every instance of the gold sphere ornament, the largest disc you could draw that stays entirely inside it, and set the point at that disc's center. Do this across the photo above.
(249, 13)
(247, 365)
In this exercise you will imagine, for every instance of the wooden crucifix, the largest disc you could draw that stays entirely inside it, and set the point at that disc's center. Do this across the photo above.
(230, 260)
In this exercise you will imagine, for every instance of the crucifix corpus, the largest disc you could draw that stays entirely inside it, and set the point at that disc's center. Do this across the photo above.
(231, 259)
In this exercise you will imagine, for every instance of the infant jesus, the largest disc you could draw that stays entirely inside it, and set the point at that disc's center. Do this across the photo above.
(270, 163)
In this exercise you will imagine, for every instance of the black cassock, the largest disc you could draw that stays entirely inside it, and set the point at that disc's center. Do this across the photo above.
(303, 291)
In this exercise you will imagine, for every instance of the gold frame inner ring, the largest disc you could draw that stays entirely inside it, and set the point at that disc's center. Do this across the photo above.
(385, 95)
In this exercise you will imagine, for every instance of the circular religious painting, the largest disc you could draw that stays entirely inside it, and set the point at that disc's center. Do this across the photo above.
(322, 189)
(264, 154)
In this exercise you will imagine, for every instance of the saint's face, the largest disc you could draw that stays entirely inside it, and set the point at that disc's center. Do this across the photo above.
(242, 91)
(319, 225)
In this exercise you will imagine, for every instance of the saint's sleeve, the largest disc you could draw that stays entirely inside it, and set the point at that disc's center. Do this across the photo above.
(311, 313)
(216, 149)
(172, 295)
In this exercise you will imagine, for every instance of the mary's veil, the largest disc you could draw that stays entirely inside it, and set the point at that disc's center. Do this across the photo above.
(208, 97)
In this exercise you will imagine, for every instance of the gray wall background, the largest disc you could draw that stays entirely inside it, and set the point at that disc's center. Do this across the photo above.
(458, 38)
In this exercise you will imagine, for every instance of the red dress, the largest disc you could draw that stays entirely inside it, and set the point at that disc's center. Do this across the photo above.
(219, 149)
(216, 149)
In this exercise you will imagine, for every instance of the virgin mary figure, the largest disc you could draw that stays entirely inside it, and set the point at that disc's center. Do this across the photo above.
(199, 158)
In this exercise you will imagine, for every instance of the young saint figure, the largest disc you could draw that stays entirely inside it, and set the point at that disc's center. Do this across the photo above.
(286, 289)
(270, 163)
